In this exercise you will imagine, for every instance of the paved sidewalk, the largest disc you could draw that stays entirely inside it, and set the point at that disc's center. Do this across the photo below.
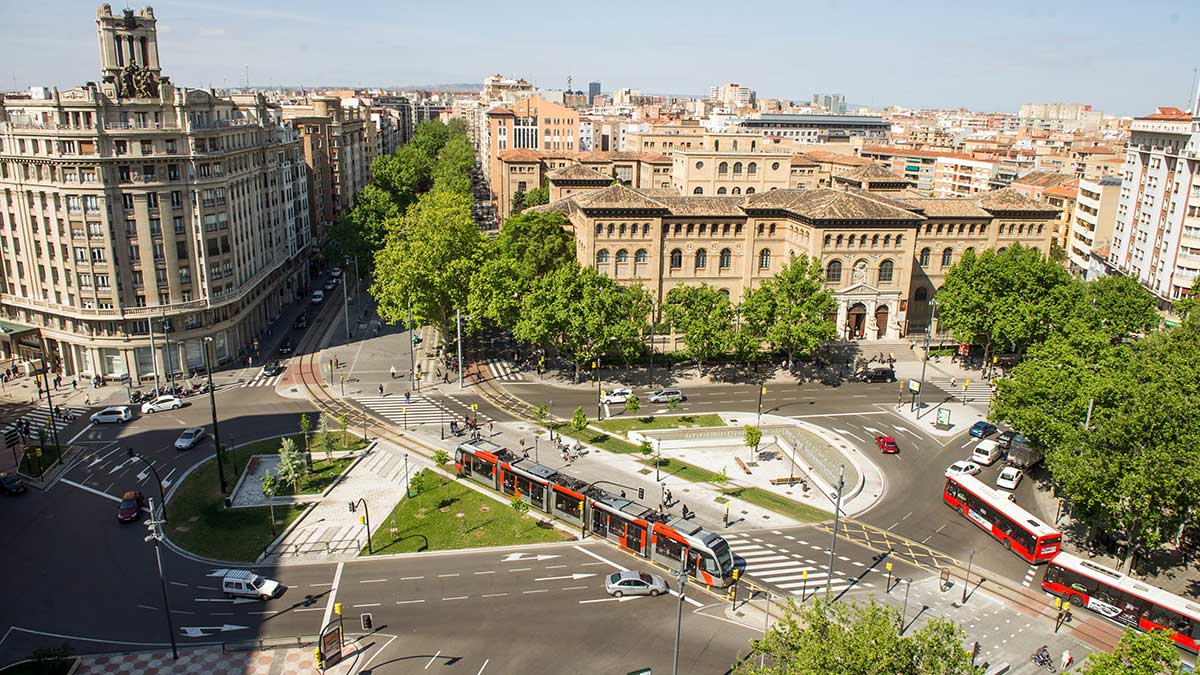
(212, 661)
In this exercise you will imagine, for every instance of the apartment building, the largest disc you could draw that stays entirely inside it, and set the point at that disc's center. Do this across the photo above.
(832, 103)
(732, 95)
(960, 175)
(1156, 237)
(134, 207)
(1092, 221)
(916, 166)
(818, 128)
(339, 147)
(532, 123)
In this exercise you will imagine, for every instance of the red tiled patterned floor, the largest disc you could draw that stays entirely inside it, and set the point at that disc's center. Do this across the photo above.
(209, 661)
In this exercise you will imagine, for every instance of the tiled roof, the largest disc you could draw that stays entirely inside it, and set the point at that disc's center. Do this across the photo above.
(655, 158)
(828, 204)
(836, 158)
(871, 173)
(577, 172)
(618, 197)
(949, 208)
(520, 155)
(566, 206)
(803, 160)
(1167, 113)
(1069, 190)
(703, 205)
(1045, 179)
(892, 199)
(1008, 199)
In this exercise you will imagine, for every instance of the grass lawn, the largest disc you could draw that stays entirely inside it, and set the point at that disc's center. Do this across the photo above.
(622, 425)
(446, 515)
(199, 522)
(603, 441)
(781, 505)
(324, 472)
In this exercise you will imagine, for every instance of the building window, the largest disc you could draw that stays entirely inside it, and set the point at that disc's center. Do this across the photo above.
(622, 257)
(875, 241)
(749, 190)
(602, 257)
(676, 259)
(947, 257)
(752, 168)
(833, 272)
(699, 165)
(721, 190)
(698, 191)
(640, 257)
(701, 259)
(764, 259)
(737, 168)
(886, 270)
(839, 240)
(736, 191)
(723, 168)
(923, 261)
(828, 239)
(921, 295)
(725, 260)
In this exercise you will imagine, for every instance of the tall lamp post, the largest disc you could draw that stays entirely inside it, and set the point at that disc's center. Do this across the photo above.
(904, 612)
(162, 497)
(679, 610)
(837, 511)
(925, 361)
(599, 396)
(156, 535)
(967, 578)
(346, 303)
(212, 404)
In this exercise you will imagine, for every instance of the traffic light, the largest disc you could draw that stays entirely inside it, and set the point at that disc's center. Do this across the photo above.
(362, 520)
(368, 622)
(337, 608)
(352, 506)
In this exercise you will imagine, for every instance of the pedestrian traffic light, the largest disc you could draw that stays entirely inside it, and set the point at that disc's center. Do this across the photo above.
(337, 608)
(368, 622)
(641, 493)
(362, 520)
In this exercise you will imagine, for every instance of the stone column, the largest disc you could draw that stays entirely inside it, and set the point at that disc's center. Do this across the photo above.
(871, 331)
(842, 311)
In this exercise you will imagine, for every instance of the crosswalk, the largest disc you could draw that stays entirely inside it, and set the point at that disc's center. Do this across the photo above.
(414, 412)
(795, 570)
(976, 390)
(261, 380)
(503, 370)
(38, 416)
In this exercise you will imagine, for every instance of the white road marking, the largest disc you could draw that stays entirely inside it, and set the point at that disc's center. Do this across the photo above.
(573, 577)
(515, 557)
(624, 599)
(90, 489)
(487, 572)
(493, 595)
(457, 597)
(410, 578)
(521, 569)
(623, 568)
(443, 576)
(369, 604)
(485, 662)
(439, 653)
(372, 581)
(337, 577)
(543, 590)
(408, 602)
(575, 588)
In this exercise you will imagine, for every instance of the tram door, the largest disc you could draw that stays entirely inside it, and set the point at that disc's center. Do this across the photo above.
(635, 537)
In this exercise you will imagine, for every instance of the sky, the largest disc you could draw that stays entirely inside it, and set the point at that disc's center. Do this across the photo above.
(1123, 58)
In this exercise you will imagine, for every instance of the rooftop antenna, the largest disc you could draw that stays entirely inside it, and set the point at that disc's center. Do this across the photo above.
(246, 75)
(1194, 95)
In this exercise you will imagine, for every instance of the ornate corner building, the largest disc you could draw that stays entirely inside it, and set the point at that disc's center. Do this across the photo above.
(133, 209)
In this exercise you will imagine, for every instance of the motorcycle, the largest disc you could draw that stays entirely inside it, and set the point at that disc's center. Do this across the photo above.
(136, 396)
(1042, 658)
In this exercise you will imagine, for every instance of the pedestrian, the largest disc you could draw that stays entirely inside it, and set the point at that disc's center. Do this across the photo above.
(490, 427)
(392, 371)
(685, 512)
(407, 397)
(954, 382)
(1067, 659)
(73, 383)
(381, 389)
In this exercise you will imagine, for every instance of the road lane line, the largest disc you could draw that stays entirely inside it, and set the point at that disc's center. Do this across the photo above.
(622, 568)
(485, 662)
(576, 588)
(554, 567)
(176, 583)
(410, 578)
(372, 581)
(309, 609)
(542, 590)
(323, 583)
(272, 611)
(181, 611)
(337, 577)
(487, 572)
(521, 569)
(89, 489)
(443, 576)
(457, 597)
(368, 604)
(439, 653)
(845, 414)
(148, 607)
(408, 602)
(493, 595)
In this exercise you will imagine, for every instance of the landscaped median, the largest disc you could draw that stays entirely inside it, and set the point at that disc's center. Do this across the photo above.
(443, 515)
(199, 522)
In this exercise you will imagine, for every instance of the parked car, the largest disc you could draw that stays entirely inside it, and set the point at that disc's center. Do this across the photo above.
(335, 272)
(1007, 438)
(878, 374)
(247, 584)
(632, 582)
(330, 285)
(963, 467)
(301, 321)
(664, 395)
(111, 414)
(318, 297)
(272, 369)
(131, 505)
(987, 452)
(162, 403)
(617, 395)
(11, 485)
(887, 444)
(287, 346)
(982, 429)
(1009, 478)
(189, 438)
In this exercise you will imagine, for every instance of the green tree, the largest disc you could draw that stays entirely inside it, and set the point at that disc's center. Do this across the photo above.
(452, 172)
(1057, 253)
(1137, 653)
(1185, 307)
(424, 264)
(751, 438)
(792, 309)
(305, 428)
(537, 242)
(540, 413)
(521, 508)
(429, 137)
(646, 448)
(343, 428)
(518, 202)
(270, 485)
(825, 637)
(291, 465)
(720, 479)
(579, 420)
(325, 440)
(441, 457)
(537, 196)
(705, 318)
(632, 405)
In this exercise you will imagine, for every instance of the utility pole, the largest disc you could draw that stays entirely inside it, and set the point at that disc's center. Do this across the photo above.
(925, 361)
(599, 396)
(761, 392)
(134, 455)
(156, 535)
(412, 349)
(45, 369)
(458, 323)
(967, 578)
(837, 511)
(212, 404)
(679, 610)
(167, 363)
(346, 303)
(153, 356)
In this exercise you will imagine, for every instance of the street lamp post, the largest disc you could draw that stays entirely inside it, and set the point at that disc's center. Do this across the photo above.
(156, 535)
(346, 303)
(407, 492)
(412, 350)
(679, 610)
(904, 612)
(599, 396)
(212, 404)
(366, 517)
(925, 361)
(967, 578)
(657, 458)
(837, 511)
(45, 370)
(761, 392)
(134, 455)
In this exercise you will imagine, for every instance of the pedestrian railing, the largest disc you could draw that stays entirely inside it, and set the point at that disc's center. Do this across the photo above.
(328, 547)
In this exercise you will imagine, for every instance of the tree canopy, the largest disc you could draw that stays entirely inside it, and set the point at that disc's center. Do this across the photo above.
(1137, 653)
(704, 316)
(791, 310)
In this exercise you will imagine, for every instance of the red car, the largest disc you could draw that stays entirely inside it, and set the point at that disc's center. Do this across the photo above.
(131, 506)
(887, 444)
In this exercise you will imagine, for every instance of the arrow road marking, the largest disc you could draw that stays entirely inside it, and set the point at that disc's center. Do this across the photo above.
(521, 557)
(624, 599)
(198, 631)
(904, 430)
(573, 577)
(872, 430)
(142, 476)
(121, 465)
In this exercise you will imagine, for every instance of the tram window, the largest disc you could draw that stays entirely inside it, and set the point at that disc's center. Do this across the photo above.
(600, 522)
(667, 547)
(1195, 630)
(481, 467)
(709, 564)
(458, 456)
(537, 493)
(507, 483)
(567, 504)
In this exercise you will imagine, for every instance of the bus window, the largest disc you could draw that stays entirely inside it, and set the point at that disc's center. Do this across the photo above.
(1195, 630)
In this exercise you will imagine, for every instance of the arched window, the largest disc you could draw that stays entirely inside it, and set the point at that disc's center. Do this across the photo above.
(849, 241)
(676, 259)
(862, 241)
(724, 292)
(750, 191)
(737, 167)
(828, 238)
(602, 257)
(641, 257)
(622, 257)
(833, 271)
(923, 261)
(874, 241)
(752, 168)
(612, 227)
(599, 228)
(764, 259)
(947, 257)
(839, 241)
(736, 191)
(698, 191)
(721, 190)
(886, 270)
(701, 259)
(1039, 228)
(899, 240)
(887, 240)
(723, 167)
(921, 295)
(725, 260)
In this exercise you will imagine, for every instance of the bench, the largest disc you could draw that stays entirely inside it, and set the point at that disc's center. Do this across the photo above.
(787, 481)
(742, 464)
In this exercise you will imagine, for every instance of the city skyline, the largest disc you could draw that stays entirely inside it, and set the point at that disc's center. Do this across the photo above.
(377, 46)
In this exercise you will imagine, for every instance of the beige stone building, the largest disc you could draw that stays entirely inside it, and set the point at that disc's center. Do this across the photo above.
(699, 172)
(524, 170)
(531, 123)
(883, 256)
(1092, 220)
(136, 206)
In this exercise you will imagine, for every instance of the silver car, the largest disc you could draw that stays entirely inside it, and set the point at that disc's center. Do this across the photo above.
(631, 582)
(189, 438)
(667, 395)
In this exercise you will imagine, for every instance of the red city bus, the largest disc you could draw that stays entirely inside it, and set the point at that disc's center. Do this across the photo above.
(1124, 600)
(1013, 526)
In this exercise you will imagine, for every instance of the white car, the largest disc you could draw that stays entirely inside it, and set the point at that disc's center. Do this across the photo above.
(617, 395)
(666, 395)
(189, 438)
(335, 272)
(1009, 478)
(162, 403)
(963, 467)
(318, 297)
(249, 585)
(116, 413)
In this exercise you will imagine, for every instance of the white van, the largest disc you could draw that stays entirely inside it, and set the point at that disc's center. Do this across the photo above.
(247, 584)
(986, 452)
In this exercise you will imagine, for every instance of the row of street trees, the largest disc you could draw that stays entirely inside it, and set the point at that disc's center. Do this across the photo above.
(1114, 400)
